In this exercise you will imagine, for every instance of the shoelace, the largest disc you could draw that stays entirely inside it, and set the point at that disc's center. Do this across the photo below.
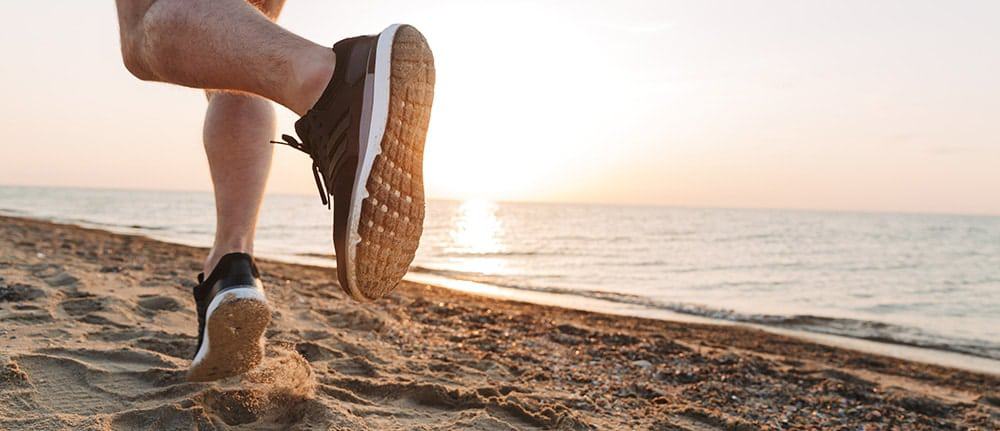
(301, 146)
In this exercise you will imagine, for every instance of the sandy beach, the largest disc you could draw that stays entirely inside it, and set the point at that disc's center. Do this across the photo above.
(97, 330)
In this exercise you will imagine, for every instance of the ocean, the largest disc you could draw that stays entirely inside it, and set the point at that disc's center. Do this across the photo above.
(925, 280)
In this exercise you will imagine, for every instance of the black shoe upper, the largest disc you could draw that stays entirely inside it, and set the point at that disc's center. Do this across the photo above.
(233, 270)
(330, 133)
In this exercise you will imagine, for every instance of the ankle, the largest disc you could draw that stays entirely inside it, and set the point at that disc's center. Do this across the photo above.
(310, 77)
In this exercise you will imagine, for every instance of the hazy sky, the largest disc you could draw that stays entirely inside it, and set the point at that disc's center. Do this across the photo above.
(851, 105)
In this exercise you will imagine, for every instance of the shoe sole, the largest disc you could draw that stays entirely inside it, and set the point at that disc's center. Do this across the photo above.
(387, 213)
(233, 340)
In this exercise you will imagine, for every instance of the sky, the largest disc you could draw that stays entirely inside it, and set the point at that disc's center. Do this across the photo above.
(849, 105)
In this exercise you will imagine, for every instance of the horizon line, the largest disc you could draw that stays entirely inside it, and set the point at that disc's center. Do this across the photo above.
(540, 202)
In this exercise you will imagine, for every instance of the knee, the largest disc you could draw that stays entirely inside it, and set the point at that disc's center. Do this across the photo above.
(133, 38)
(143, 35)
(134, 58)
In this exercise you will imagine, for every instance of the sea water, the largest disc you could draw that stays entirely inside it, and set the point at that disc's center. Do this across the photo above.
(929, 280)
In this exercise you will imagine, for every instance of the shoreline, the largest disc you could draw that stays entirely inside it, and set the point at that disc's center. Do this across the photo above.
(115, 309)
(900, 349)
(956, 358)
(927, 355)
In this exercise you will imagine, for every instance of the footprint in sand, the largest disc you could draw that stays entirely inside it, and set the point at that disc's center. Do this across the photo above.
(22, 313)
(314, 352)
(27, 317)
(53, 275)
(19, 292)
(92, 382)
(43, 270)
(354, 366)
(79, 307)
(359, 319)
(123, 359)
(61, 279)
(157, 303)
(177, 346)
(103, 311)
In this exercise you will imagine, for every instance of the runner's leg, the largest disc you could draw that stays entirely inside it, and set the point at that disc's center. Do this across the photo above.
(236, 134)
(237, 129)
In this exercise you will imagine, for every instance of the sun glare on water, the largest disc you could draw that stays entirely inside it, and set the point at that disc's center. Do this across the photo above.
(476, 234)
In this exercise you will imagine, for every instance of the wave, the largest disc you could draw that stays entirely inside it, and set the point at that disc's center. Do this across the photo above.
(878, 331)
(127, 226)
(853, 328)
(79, 221)
(321, 255)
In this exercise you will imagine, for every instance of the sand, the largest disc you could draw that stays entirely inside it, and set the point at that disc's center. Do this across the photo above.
(96, 330)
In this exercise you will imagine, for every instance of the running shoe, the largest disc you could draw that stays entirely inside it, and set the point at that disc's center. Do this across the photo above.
(232, 315)
(366, 139)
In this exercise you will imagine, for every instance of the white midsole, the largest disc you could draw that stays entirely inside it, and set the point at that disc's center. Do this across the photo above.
(248, 292)
(374, 118)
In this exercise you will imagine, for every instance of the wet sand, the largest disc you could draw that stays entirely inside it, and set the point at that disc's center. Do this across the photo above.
(96, 330)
